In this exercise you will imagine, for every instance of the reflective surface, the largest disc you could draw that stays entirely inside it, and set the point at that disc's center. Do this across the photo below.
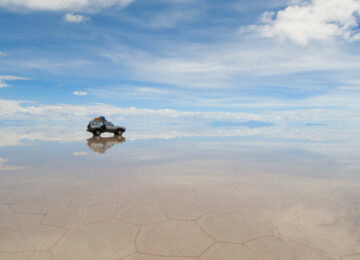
(100, 144)
(180, 199)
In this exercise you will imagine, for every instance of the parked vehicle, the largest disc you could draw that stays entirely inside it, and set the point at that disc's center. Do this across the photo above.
(100, 125)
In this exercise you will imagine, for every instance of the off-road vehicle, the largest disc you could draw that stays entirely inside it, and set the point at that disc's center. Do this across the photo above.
(100, 125)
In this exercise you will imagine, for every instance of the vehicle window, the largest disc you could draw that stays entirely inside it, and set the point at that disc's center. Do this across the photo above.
(109, 124)
(95, 123)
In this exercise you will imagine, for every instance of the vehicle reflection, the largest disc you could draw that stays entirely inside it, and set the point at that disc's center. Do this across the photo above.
(100, 144)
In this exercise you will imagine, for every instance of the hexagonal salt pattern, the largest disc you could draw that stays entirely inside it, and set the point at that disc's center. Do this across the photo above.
(171, 216)
(41, 204)
(235, 228)
(106, 240)
(181, 210)
(172, 238)
(229, 252)
(275, 247)
(351, 257)
(26, 256)
(14, 221)
(337, 242)
(73, 217)
(30, 239)
(138, 256)
(141, 214)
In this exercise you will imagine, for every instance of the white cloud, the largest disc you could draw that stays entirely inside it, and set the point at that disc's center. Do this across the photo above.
(171, 19)
(11, 78)
(2, 53)
(80, 93)
(339, 107)
(230, 63)
(132, 92)
(3, 80)
(62, 5)
(290, 117)
(321, 20)
(53, 66)
(74, 18)
(167, 124)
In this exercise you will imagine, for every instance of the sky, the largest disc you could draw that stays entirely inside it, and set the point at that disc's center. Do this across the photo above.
(275, 62)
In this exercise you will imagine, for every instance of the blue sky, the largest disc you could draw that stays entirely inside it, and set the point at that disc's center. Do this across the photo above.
(257, 57)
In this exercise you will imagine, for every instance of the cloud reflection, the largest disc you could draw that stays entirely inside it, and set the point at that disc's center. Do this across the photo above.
(5, 167)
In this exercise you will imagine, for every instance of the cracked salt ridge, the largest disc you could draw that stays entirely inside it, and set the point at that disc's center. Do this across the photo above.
(217, 218)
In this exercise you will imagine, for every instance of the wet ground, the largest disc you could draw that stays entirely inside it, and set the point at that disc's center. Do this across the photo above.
(179, 199)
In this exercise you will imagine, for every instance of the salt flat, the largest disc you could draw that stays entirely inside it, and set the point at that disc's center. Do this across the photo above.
(179, 199)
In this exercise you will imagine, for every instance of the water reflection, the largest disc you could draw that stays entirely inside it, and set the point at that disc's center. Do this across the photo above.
(177, 197)
(100, 144)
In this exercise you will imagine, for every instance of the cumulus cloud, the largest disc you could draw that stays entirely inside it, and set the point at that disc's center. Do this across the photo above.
(3, 80)
(74, 18)
(322, 20)
(62, 5)
(80, 93)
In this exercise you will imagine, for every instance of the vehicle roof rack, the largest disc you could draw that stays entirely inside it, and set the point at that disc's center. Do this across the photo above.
(100, 118)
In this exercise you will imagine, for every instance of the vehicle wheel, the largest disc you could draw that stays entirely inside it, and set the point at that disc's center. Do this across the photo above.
(97, 133)
(119, 132)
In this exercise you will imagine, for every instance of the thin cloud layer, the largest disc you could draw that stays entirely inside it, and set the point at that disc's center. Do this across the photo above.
(225, 64)
(321, 20)
(74, 18)
(3, 80)
(62, 5)
(80, 93)
(339, 107)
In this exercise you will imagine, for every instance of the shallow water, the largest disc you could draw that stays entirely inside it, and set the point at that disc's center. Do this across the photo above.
(181, 198)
